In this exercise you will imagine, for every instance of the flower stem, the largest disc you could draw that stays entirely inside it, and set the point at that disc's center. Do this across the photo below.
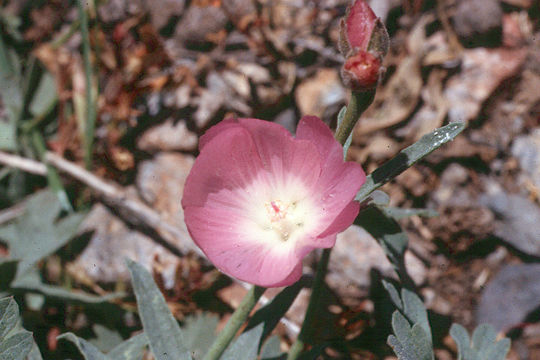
(235, 322)
(359, 102)
(90, 103)
(314, 301)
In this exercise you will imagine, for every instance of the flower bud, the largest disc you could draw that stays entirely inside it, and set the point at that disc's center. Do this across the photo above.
(364, 43)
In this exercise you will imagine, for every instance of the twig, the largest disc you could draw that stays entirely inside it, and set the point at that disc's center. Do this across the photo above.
(118, 198)
(30, 166)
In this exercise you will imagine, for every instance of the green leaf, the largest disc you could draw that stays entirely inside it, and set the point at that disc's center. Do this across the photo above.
(9, 315)
(15, 343)
(271, 349)
(199, 333)
(245, 346)
(483, 337)
(414, 310)
(31, 281)
(105, 339)
(131, 349)
(89, 351)
(17, 346)
(161, 328)
(394, 295)
(408, 157)
(45, 96)
(482, 346)
(398, 213)
(390, 237)
(37, 233)
(271, 313)
(498, 350)
(11, 97)
(409, 343)
(461, 337)
(348, 142)
(34, 354)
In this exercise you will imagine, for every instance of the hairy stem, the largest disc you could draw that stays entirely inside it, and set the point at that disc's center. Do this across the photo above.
(235, 322)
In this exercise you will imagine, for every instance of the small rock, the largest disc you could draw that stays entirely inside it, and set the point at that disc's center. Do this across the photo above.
(199, 22)
(160, 11)
(111, 242)
(118, 10)
(519, 219)
(527, 150)
(168, 137)
(510, 296)
(483, 70)
(317, 94)
(478, 22)
(211, 99)
(355, 254)
(161, 184)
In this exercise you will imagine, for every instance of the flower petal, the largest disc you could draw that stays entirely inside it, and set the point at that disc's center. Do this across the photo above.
(222, 234)
(228, 161)
(282, 155)
(339, 181)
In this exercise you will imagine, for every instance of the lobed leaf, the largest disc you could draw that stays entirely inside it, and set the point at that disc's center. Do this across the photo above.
(161, 328)
(482, 346)
(409, 343)
(37, 234)
(15, 344)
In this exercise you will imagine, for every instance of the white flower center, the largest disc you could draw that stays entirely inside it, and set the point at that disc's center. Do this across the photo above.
(284, 218)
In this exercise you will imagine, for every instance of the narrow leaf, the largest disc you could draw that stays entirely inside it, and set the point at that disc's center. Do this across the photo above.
(348, 142)
(394, 295)
(161, 328)
(245, 346)
(199, 333)
(408, 157)
(399, 349)
(131, 349)
(89, 351)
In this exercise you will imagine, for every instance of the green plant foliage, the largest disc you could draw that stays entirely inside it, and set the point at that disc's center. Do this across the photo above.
(162, 329)
(483, 345)
(31, 281)
(245, 346)
(38, 233)
(408, 157)
(15, 343)
(348, 142)
(199, 333)
(389, 235)
(45, 96)
(409, 343)
(11, 95)
(412, 332)
(271, 350)
(131, 349)
(87, 349)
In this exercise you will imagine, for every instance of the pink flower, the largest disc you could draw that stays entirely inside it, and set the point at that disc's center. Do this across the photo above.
(257, 200)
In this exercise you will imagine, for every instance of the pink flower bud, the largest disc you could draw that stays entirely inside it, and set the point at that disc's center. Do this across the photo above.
(364, 43)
